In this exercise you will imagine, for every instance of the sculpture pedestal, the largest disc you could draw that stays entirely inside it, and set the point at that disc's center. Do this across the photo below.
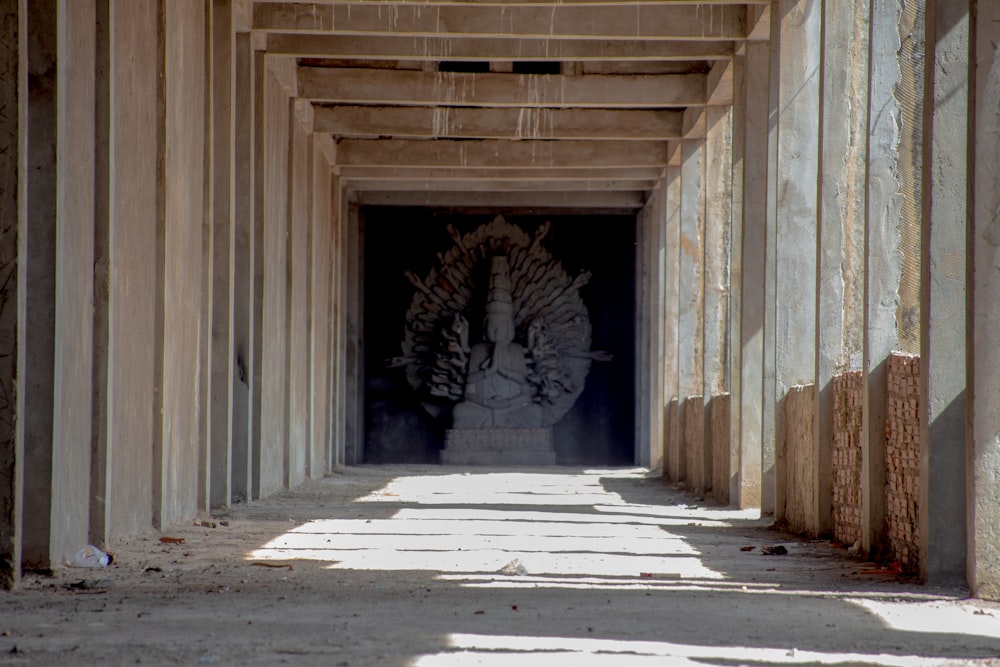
(498, 446)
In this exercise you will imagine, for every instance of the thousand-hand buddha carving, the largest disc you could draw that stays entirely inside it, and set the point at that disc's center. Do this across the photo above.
(497, 390)
(502, 395)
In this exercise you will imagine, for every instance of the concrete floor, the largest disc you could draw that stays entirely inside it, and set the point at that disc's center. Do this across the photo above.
(435, 566)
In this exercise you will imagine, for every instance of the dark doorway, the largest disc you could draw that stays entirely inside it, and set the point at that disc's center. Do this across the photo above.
(599, 429)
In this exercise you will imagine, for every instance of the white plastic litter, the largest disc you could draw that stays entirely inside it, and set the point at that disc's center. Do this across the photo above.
(89, 556)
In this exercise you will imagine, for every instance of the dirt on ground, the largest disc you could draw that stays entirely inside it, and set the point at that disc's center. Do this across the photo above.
(435, 566)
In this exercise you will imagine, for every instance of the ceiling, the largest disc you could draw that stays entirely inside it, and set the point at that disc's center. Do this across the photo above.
(528, 104)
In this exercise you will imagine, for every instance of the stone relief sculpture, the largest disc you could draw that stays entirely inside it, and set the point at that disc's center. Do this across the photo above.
(530, 361)
(497, 391)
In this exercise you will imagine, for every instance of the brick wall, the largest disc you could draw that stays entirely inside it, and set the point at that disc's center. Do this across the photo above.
(902, 459)
(846, 465)
(798, 462)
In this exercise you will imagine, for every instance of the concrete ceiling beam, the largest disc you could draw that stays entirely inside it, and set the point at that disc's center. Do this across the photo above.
(396, 47)
(500, 185)
(562, 175)
(365, 122)
(495, 199)
(416, 88)
(672, 22)
(501, 154)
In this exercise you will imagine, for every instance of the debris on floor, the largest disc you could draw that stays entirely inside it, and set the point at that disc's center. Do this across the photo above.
(514, 568)
(776, 550)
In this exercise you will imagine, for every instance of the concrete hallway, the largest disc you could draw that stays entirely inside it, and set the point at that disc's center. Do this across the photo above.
(419, 565)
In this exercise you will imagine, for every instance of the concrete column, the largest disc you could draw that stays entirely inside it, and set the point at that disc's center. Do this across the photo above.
(125, 275)
(797, 167)
(649, 358)
(671, 364)
(323, 152)
(260, 78)
(882, 266)
(297, 318)
(74, 297)
(769, 394)
(223, 361)
(734, 346)
(642, 340)
(338, 308)
(983, 483)
(753, 261)
(718, 225)
(273, 331)
(839, 319)
(182, 107)
(243, 167)
(691, 307)
(354, 352)
(944, 332)
(11, 186)
(36, 265)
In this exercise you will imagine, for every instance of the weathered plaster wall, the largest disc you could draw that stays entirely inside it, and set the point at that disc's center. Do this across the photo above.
(797, 462)
(846, 469)
(902, 459)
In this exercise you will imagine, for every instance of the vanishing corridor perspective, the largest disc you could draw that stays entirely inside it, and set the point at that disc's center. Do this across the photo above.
(749, 246)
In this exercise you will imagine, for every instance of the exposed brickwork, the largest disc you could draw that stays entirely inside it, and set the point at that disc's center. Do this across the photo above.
(847, 413)
(799, 462)
(902, 459)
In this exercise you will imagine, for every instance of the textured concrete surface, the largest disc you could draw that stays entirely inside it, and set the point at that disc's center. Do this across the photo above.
(985, 383)
(177, 432)
(431, 566)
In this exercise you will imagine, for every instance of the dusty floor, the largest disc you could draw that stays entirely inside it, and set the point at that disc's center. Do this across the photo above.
(433, 566)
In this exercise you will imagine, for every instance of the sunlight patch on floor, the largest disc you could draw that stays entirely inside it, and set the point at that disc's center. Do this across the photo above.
(474, 649)
(456, 524)
(969, 618)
